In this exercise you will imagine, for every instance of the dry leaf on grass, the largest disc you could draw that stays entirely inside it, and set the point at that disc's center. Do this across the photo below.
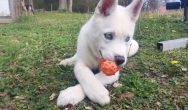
(182, 97)
(185, 78)
(42, 87)
(21, 97)
(164, 76)
(125, 95)
(8, 107)
(88, 108)
(52, 96)
(176, 105)
(158, 103)
(3, 94)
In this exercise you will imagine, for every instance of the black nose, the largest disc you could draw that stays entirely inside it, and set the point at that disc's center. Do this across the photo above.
(119, 60)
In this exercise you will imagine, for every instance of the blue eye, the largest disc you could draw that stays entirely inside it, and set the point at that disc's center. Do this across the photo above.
(109, 35)
(127, 39)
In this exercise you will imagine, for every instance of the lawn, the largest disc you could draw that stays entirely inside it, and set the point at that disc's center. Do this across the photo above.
(31, 48)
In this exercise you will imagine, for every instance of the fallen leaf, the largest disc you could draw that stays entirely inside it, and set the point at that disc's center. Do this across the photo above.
(175, 104)
(185, 78)
(158, 103)
(52, 96)
(8, 107)
(125, 95)
(128, 107)
(164, 76)
(42, 87)
(117, 84)
(88, 108)
(3, 94)
(21, 97)
(164, 82)
(129, 95)
(182, 97)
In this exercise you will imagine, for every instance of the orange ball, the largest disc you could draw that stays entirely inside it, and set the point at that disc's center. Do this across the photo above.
(108, 67)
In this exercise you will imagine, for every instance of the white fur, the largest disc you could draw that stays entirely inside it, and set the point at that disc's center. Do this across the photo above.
(73, 95)
(91, 40)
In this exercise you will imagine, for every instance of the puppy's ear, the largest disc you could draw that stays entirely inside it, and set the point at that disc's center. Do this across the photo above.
(134, 9)
(105, 7)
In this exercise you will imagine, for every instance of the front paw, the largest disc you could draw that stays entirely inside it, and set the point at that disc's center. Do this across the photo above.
(71, 95)
(66, 62)
(99, 95)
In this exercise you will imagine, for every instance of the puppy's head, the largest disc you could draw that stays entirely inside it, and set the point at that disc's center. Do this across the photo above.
(114, 27)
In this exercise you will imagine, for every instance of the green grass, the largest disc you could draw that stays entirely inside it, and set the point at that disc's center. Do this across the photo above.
(31, 48)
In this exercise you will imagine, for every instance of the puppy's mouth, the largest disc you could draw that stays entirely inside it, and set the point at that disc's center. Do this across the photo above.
(113, 60)
(102, 57)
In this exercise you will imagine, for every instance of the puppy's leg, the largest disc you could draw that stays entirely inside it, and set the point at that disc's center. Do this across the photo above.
(133, 48)
(91, 86)
(69, 61)
(71, 95)
(75, 94)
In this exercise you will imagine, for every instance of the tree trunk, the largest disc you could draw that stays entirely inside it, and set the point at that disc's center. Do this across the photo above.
(32, 4)
(151, 5)
(65, 5)
(23, 6)
(155, 5)
(69, 5)
(62, 4)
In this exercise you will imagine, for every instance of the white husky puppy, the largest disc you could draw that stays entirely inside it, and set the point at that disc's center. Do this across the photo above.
(108, 34)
